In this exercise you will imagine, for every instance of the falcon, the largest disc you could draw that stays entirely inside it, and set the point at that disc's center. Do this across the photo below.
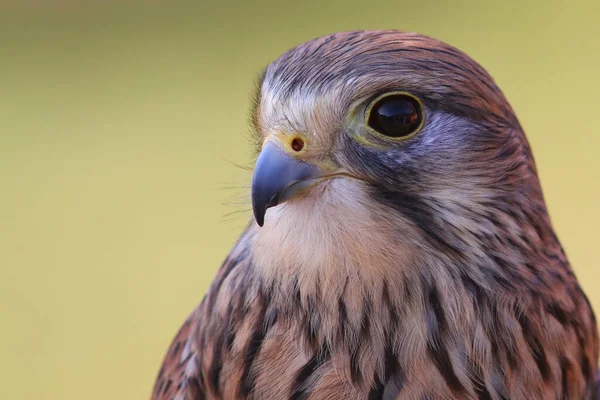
(400, 247)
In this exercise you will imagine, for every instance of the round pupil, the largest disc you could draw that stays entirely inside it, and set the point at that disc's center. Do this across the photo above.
(395, 116)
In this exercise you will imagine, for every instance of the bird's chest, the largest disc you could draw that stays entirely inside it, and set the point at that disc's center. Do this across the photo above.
(348, 351)
(339, 330)
(293, 360)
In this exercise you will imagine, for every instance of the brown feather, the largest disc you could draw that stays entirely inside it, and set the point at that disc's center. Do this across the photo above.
(447, 285)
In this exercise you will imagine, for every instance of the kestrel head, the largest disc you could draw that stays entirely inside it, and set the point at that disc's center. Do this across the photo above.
(389, 125)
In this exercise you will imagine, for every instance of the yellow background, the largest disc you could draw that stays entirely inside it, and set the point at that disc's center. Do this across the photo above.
(121, 124)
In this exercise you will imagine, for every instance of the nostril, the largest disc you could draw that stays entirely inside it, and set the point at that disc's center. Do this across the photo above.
(297, 144)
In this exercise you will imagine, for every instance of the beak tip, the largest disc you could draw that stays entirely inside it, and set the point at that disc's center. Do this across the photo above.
(259, 218)
(259, 212)
(260, 207)
(274, 172)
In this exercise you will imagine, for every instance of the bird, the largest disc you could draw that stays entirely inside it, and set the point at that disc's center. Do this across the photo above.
(400, 245)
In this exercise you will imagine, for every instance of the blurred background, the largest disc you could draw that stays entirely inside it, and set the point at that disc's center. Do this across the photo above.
(121, 125)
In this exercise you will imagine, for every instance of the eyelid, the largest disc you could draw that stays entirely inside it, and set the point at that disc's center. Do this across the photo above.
(357, 106)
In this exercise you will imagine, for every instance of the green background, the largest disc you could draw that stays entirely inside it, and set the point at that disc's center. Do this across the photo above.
(121, 128)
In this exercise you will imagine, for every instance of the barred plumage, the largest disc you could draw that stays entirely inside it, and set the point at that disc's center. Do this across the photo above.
(430, 270)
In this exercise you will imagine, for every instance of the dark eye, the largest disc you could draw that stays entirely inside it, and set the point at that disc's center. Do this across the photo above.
(396, 116)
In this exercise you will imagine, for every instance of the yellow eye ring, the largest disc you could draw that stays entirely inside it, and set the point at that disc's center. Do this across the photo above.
(394, 115)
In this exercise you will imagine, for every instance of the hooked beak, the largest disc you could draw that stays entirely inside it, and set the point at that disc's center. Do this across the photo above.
(277, 178)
